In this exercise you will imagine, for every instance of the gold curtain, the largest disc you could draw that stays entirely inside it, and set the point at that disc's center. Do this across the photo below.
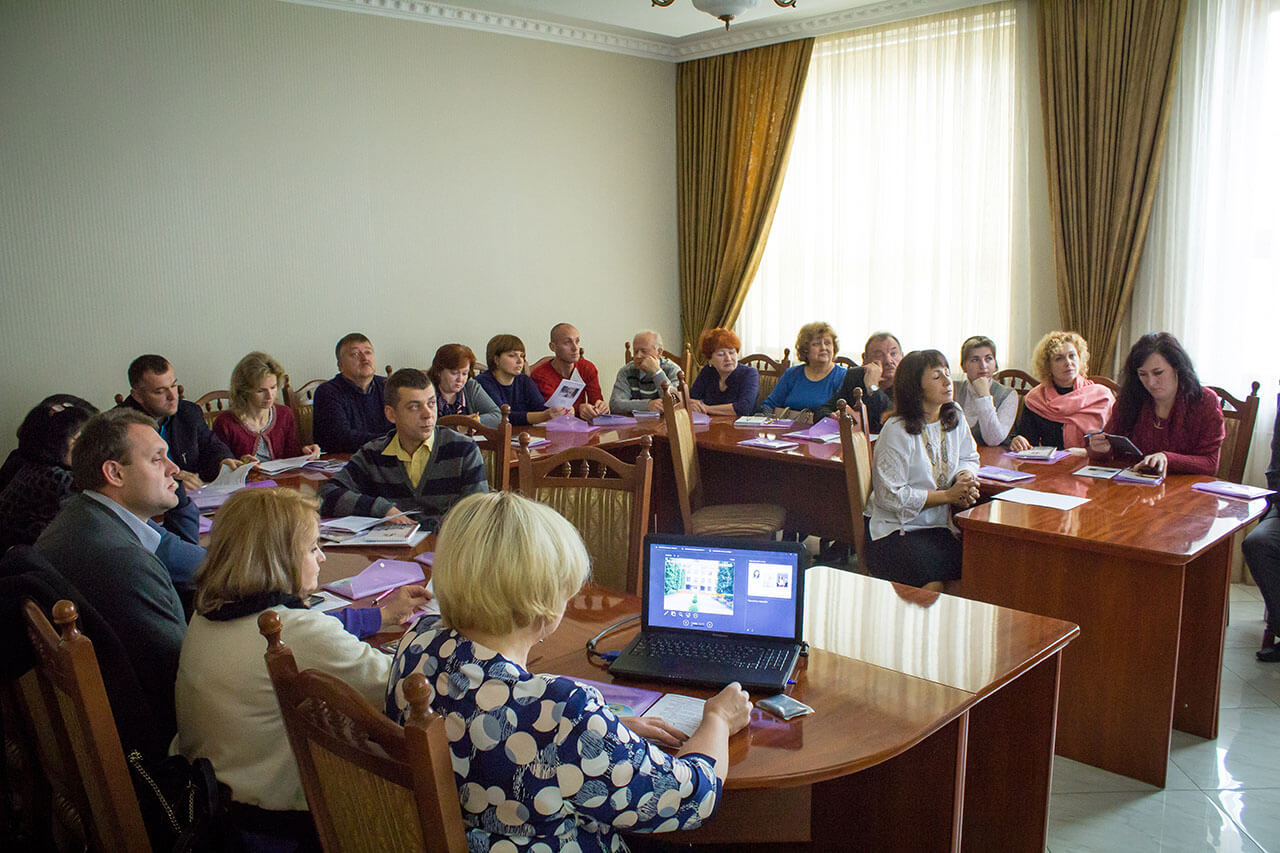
(735, 118)
(1107, 70)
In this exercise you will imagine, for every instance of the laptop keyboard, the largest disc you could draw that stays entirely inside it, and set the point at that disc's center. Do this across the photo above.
(714, 651)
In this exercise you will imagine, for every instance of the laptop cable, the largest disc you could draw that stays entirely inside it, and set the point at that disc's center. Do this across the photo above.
(609, 657)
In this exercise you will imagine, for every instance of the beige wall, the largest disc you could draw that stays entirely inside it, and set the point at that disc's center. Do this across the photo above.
(202, 178)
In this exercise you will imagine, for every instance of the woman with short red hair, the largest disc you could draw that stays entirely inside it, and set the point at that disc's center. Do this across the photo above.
(724, 387)
(456, 392)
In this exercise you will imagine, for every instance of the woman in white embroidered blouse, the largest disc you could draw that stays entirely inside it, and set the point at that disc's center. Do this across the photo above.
(925, 464)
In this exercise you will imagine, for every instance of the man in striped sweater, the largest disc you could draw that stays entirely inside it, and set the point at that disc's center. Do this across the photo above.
(416, 467)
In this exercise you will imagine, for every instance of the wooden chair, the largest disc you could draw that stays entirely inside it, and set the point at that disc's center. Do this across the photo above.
(856, 452)
(770, 371)
(78, 745)
(754, 521)
(213, 404)
(1106, 382)
(606, 499)
(303, 404)
(846, 361)
(1020, 381)
(494, 444)
(371, 784)
(685, 361)
(1238, 418)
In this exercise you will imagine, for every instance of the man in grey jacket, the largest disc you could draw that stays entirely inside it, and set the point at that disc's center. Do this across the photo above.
(104, 543)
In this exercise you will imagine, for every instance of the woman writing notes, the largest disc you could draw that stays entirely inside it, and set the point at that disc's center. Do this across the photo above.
(257, 427)
(925, 464)
(810, 384)
(1164, 411)
(540, 760)
(723, 387)
(1066, 406)
(989, 407)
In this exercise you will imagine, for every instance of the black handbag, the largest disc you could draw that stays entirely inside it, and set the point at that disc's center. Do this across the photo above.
(184, 806)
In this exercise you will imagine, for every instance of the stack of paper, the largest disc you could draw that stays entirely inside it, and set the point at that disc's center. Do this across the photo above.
(1034, 498)
(279, 466)
(769, 443)
(763, 422)
(1039, 454)
(1128, 475)
(229, 481)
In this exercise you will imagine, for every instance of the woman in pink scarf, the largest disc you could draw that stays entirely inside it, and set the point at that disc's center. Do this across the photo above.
(1065, 406)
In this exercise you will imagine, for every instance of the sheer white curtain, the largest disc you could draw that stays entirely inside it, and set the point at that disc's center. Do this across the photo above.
(1210, 271)
(905, 193)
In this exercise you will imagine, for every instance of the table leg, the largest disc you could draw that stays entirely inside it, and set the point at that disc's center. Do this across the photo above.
(1204, 630)
(1118, 676)
(1010, 763)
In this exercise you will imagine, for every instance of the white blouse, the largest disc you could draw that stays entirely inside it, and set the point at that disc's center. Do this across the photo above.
(902, 475)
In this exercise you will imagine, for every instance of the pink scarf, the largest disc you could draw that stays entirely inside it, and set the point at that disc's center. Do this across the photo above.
(1082, 410)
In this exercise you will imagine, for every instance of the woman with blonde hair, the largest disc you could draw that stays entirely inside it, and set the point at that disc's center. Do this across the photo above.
(1066, 406)
(256, 426)
(264, 554)
(811, 383)
(541, 758)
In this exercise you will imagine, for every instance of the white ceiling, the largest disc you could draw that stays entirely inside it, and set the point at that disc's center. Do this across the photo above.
(676, 33)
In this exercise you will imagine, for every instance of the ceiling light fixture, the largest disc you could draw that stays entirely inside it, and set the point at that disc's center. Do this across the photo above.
(726, 10)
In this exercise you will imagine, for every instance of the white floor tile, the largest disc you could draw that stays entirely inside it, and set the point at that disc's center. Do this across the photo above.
(1133, 822)
(1257, 812)
(1263, 677)
(1238, 693)
(1246, 753)
(1244, 592)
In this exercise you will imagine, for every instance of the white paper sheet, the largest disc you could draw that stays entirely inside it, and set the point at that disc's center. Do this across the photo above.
(683, 712)
(1034, 498)
(566, 392)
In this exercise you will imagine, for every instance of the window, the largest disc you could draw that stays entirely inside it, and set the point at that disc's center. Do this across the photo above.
(900, 202)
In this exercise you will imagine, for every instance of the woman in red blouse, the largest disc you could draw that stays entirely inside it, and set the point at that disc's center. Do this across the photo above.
(1164, 411)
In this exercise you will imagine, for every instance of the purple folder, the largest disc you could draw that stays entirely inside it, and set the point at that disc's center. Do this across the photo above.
(569, 423)
(700, 418)
(1057, 454)
(380, 576)
(623, 700)
(819, 431)
(206, 524)
(1003, 475)
(613, 420)
(1233, 490)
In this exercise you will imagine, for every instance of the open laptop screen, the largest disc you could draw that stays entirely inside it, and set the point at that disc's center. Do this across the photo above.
(712, 585)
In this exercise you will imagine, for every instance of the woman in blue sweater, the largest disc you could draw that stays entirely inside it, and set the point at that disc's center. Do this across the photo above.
(506, 382)
(811, 383)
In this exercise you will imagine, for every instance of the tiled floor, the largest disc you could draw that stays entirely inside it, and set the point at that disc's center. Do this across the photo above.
(1221, 795)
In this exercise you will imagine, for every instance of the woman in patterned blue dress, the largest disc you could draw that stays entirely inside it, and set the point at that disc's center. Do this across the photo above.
(541, 762)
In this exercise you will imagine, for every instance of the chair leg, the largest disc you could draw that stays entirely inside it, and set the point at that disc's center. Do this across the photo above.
(1268, 637)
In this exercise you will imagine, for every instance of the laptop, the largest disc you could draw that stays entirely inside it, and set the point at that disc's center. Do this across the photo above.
(717, 610)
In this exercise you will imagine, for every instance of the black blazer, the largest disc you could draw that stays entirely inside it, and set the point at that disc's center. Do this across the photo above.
(192, 445)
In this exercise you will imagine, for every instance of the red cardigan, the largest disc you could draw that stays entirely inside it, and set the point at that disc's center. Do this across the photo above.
(281, 436)
(1191, 438)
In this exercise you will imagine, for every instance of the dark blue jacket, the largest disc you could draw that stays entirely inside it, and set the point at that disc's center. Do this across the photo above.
(347, 418)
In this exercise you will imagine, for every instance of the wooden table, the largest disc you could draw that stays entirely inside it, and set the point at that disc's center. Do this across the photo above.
(934, 722)
(1145, 572)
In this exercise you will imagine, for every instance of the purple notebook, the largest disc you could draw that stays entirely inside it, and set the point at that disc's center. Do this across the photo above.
(1233, 490)
(1003, 475)
(700, 418)
(822, 431)
(769, 443)
(569, 423)
(622, 700)
(380, 576)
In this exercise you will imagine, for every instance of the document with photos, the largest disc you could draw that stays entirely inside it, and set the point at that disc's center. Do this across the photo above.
(1031, 497)
(567, 392)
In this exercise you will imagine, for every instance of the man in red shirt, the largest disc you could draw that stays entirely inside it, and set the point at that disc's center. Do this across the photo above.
(565, 362)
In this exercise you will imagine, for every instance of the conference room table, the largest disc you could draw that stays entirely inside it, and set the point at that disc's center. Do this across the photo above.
(933, 723)
(1145, 572)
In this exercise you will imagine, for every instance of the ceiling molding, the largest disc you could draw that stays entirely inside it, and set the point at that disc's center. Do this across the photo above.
(699, 46)
(655, 47)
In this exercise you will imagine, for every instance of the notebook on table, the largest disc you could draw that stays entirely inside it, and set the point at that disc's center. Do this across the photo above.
(717, 610)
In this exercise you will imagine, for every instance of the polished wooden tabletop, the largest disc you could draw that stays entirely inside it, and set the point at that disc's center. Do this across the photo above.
(1170, 523)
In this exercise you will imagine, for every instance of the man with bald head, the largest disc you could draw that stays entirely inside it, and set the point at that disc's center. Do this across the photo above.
(567, 362)
(638, 387)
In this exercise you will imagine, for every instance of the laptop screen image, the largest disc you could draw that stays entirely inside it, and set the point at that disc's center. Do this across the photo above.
(746, 589)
